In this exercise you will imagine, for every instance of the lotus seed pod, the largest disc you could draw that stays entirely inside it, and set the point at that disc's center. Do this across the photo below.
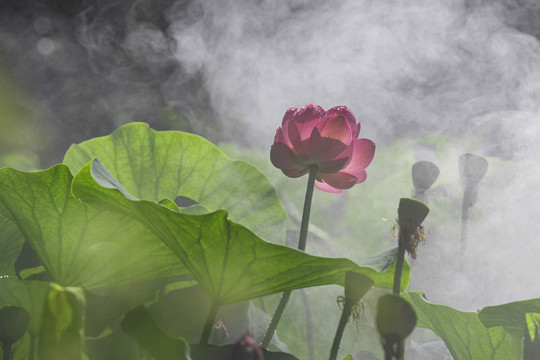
(13, 323)
(424, 174)
(395, 318)
(472, 169)
(411, 213)
(356, 286)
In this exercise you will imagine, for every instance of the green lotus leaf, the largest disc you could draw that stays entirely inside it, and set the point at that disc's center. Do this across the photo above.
(141, 327)
(533, 321)
(77, 245)
(154, 165)
(229, 261)
(511, 316)
(11, 242)
(463, 333)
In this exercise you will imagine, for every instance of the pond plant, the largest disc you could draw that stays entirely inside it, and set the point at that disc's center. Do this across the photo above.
(151, 244)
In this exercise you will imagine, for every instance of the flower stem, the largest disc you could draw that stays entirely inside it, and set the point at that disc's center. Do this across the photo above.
(275, 319)
(209, 324)
(307, 208)
(345, 314)
(32, 351)
(301, 246)
(399, 268)
(6, 350)
(309, 325)
(464, 222)
(388, 354)
(397, 286)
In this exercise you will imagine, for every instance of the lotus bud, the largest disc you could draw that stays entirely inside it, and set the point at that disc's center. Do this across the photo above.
(246, 348)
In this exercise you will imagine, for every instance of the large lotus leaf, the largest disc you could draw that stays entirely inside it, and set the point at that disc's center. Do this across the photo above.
(77, 245)
(154, 165)
(228, 260)
(463, 333)
(511, 315)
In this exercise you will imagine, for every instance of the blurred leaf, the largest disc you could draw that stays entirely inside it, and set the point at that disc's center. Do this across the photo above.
(114, 346)
(61, 334)
(28, 259)
(510, 316)
(531, 346)
(35, 273)
(154, 165)
(11, 242)
(533, 320)
(182, 313)
(463, 333)
(77, 245)
(229, 261)
(26, 294)
(347, 357)
(140, 326)
(105, 307)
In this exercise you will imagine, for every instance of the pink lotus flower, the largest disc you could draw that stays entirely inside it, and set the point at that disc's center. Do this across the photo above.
(328, 139)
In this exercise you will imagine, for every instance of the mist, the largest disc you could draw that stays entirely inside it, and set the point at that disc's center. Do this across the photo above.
(430, 67)
(453, 68)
